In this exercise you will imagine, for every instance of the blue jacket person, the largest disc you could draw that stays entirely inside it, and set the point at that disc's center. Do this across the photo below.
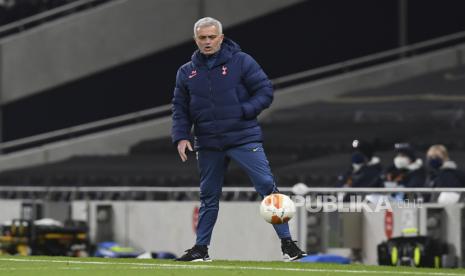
(220, 93)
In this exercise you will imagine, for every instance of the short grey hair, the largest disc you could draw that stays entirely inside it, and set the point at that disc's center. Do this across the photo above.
(207, 22)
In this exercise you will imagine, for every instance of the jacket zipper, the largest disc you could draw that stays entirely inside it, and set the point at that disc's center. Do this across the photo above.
(210, 85)
(210, 88)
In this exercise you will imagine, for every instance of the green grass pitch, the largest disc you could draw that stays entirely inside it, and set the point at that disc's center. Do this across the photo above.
(49, 266)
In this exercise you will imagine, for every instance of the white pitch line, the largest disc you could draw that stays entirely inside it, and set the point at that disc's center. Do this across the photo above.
(231, 267)
(37, 268)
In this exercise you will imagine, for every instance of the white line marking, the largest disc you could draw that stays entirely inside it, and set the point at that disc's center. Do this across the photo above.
(38, 268)
(232, 267)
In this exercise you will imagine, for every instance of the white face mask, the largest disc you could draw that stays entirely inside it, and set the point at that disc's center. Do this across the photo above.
(356, 167)
(401, 162)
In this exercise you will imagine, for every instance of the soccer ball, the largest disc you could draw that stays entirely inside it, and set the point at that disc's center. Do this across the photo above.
(277, 208)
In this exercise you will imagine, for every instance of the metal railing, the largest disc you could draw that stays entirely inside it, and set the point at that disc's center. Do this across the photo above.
(32, 21)
(308, 190)
(281, 82)
(190, 193)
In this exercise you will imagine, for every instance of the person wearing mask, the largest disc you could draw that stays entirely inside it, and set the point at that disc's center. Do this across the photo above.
(444, 173)
(365, 170)
(406, 171)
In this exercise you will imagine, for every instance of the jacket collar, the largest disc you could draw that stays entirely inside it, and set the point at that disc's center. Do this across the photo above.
(449, 165)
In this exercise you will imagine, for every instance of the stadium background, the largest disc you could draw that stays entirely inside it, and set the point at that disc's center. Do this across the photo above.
(76, 63)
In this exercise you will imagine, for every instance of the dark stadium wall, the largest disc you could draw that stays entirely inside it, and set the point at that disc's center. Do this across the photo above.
(304, 36)
(430, 19)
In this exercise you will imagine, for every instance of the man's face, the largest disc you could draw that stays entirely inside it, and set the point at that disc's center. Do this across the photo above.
(208, 40)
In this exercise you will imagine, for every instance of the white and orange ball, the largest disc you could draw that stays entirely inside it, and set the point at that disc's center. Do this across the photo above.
(277, 208)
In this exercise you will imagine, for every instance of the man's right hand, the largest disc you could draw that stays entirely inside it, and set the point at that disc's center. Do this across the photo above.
(182, 145)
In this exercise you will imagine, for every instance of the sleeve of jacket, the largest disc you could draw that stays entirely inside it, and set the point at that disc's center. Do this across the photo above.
(259, 88)
(182, 122)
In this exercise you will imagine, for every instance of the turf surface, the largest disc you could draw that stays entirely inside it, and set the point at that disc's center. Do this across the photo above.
(49, 266)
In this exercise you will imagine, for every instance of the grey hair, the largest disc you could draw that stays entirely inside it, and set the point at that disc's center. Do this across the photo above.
(207, 22)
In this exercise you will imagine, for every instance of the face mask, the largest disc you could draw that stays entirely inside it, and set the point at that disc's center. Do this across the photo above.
(435, 162)
(401, 162)
(358, 158)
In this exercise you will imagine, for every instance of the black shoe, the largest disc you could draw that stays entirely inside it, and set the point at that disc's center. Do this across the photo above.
(291, 251)
(198, 253)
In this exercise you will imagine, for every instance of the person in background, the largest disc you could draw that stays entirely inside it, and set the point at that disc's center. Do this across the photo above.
(365, 170)
(406, 171)
(443, 173)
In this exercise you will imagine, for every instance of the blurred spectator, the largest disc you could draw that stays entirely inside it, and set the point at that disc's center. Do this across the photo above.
(443, 172)
(365, 169)
(407, 170)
